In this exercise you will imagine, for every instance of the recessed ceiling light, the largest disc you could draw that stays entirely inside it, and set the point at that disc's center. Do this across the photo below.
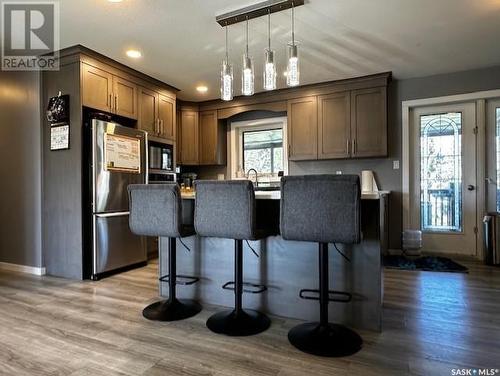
(134, 54)
(202, 89)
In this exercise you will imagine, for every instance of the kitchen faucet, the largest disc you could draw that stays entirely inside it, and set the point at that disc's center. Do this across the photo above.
(256, 176)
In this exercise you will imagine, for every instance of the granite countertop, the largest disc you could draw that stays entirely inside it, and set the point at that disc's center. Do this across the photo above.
(276, 195)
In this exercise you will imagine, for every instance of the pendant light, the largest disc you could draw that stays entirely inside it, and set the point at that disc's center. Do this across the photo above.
(292, 69)
(247, 76)
(269, 65)
(226, 77)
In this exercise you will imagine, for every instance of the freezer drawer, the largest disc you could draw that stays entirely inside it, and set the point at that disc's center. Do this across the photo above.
(115, 246)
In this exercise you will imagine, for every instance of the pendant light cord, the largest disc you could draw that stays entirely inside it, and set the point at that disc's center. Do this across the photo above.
(293, 25)
(227, 54)
(269, 28)
(247, 36)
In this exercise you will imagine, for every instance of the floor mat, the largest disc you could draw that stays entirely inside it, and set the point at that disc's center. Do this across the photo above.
(428, 263)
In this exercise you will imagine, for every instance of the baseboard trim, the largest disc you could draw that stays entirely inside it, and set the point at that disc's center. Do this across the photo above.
(22, 268)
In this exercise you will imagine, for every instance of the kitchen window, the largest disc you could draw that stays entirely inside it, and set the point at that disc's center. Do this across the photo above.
(259, 145)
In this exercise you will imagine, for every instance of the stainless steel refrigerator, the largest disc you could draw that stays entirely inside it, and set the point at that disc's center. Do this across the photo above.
(118, 158)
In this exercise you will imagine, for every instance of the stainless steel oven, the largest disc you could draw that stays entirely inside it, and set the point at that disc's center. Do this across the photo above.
(161, 158)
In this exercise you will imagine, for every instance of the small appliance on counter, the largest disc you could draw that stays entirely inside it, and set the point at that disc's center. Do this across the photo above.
(187, 181)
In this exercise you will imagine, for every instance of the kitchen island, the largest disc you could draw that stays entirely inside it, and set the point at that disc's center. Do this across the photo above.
(286, 267)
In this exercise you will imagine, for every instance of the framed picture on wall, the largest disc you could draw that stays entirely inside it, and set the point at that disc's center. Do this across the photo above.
(59, 137)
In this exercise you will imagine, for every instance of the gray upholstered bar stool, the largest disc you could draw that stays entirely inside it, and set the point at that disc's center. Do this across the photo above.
(226, 209)
(156, 210)
(322, 209)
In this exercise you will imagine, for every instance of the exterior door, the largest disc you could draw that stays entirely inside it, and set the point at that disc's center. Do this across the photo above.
(443, 178)
(493, 155)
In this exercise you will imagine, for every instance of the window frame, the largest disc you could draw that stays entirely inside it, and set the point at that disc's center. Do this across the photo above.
(236, 141)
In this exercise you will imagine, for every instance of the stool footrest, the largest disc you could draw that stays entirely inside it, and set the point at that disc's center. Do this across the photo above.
(184, 280)
(333, 296)
(253, 288)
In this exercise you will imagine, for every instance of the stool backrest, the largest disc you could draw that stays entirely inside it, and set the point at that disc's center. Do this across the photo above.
(225, 209)
(321, 208)
(155, 209)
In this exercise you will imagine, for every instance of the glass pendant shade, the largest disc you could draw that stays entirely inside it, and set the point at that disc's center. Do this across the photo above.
(269, 71)
(247, 76)
(292, 69)
(226, 81)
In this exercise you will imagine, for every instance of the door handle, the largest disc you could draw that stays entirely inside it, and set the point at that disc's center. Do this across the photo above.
(470, 187)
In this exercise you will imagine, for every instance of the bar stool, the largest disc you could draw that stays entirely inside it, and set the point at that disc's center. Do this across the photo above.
(156, 210)
(226, 209)
(322, 209)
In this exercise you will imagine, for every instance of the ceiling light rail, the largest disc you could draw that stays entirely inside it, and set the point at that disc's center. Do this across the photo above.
(257, 10)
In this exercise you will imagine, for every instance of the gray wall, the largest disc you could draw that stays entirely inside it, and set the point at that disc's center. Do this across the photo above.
(20, 169)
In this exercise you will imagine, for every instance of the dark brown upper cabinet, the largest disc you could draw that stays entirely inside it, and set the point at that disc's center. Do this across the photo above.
(334, 125)
(212, 139)
(97, 88)
(189, 137)
(157, 114)
(104, 91)
(148, 111)
(125, 98)
(369, 122)
(166, 117)
(302, 126)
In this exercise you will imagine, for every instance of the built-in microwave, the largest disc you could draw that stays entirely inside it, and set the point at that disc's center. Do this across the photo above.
(161, 157)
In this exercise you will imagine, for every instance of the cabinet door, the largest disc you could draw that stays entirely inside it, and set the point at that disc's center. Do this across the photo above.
(334, 125)
(369, 122)
(97, 88)
(166, 115)
(302, 129)
(125, 98)
(208, 137)
(148, 111)
(189, 142)
(178, 135)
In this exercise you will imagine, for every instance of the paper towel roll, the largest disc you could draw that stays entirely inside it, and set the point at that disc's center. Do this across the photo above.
(368, 183)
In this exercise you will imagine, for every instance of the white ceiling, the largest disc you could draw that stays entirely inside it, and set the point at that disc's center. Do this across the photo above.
(182, 44)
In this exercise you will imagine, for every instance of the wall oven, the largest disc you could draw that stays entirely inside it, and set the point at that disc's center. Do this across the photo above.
(161, 162)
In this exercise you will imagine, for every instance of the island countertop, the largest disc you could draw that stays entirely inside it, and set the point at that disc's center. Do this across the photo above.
(276, 195)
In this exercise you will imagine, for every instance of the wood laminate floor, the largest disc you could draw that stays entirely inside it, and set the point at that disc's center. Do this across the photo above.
(433, 323)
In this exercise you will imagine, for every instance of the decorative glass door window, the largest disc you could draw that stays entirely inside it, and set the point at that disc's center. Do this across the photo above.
(441, 172)
(263, 151)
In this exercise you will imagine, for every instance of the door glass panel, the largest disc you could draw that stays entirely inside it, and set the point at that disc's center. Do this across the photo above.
(497, 142)
(441, 172)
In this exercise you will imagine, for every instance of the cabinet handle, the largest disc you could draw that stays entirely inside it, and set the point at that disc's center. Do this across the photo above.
(347, 146)
(353, 146)
(162, 126)
(289, 149)
(110, 104)
(116, 102)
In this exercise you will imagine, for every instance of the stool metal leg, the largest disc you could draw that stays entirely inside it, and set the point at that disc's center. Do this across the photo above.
(324, 338)
(172, 309)
(238, 322)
